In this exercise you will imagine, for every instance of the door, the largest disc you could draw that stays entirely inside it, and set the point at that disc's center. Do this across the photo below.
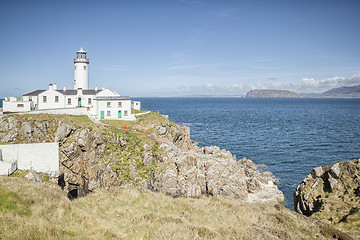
(119, 114)
(79, 102)
(102, 114)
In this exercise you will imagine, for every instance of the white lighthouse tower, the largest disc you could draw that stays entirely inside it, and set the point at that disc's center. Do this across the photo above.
(81, 71)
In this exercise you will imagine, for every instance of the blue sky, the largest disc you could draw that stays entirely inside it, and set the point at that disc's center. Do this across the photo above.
(181, 47)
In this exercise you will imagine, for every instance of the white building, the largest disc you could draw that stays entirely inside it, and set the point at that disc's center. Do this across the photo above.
(101, 104)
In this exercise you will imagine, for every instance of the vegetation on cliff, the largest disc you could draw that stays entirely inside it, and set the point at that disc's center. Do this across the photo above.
(42, 211)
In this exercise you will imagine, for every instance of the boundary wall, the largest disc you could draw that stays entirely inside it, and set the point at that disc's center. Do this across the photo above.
(42, 157)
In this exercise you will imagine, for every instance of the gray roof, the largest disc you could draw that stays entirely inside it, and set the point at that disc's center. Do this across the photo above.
(67, 92)
(34, 93)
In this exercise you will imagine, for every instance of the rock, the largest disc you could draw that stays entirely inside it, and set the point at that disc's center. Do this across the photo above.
(27, 131)
(32, 175)
(161, 130)
(211, 171)
(329, 193)
(317, 172)
(335, 170)
(63, 131)
(7, 124)
(43, 127)
(147, 158)
(11, 136)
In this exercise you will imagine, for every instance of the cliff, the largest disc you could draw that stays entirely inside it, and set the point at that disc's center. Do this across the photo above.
(152, 153)
(266, 93)
(332, 194)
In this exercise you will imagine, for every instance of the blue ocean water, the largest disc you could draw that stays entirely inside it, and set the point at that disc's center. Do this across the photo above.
(290, 136)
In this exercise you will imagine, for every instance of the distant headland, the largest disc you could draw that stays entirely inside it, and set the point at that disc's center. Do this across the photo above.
(340, 92)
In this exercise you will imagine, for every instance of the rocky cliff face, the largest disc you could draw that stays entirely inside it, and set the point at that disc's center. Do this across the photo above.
(331, 193)
(153, 154)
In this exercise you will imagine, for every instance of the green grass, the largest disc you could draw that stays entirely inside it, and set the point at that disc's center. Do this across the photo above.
(82, 118)
(139, 111)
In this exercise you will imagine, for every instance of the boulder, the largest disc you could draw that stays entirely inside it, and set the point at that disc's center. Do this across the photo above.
(329, 193)
(63, 131)
(27, 131)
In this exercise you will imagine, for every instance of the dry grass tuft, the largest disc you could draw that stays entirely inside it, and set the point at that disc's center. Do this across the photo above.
(41, 211)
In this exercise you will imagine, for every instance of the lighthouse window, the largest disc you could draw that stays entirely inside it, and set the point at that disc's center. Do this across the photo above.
(84, 67)
(56, 98)
(69, 101)
(44, 99)
(75, 67)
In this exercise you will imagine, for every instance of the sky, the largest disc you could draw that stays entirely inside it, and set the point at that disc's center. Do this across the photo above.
(162, 48)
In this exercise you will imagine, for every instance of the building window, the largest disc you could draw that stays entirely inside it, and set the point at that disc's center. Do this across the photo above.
(84, 67)
(137, 104)
(75, 67)
(89, 101)
(20, 105)
(44, 99)
(69, 101)
(57, 99)
(30, 98)
(119, 104)
(125, 113)
(108, 104)
(108, 113)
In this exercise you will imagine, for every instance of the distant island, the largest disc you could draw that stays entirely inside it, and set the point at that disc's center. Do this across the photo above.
(267, 93)
(340, 92)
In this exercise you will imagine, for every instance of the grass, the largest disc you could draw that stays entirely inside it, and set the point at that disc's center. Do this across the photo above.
(139, 111)
(41, 211)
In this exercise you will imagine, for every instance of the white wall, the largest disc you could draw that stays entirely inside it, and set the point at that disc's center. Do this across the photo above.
(19, 106)
(50, 100)
(112, 112)
(81, 75)
(136, 105)
(42, 157)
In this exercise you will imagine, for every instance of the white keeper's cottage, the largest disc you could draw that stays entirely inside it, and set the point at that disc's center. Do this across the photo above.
(97, 103)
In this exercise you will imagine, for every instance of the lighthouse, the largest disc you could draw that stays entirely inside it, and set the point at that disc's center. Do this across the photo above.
(81, 70)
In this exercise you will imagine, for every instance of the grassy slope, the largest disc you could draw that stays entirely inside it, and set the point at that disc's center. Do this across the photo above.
(41, 211)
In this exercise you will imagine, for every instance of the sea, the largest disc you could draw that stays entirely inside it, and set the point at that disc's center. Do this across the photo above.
(291, 136)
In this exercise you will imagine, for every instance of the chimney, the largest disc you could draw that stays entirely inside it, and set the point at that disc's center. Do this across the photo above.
(54, 86)
(96, 88)
(64, 88)
(50, 86)
(103, 88)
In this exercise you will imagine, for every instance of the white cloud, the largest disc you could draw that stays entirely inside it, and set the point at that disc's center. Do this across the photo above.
(309, 85)
(313, 85)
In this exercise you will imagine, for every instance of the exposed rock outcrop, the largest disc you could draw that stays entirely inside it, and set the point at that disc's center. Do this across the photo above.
(330, 193)
(157, 155)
